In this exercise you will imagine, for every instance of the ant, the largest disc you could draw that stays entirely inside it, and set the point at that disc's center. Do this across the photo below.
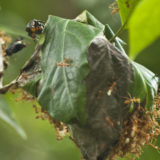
(113, 85)
(114, 8)
(131, 101)
(127, 3)
(63, 64)
(109, 92)
(24, 76)
(109, 121)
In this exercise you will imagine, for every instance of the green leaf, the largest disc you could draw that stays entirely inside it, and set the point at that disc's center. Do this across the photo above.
(63, 92)
(88, 18)
(144, 25)
(7, 115)
(145, 85)
(31, 87)
(126, 8)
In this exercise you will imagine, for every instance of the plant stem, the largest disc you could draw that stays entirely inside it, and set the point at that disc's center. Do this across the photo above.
(119, 31)
(124, 24)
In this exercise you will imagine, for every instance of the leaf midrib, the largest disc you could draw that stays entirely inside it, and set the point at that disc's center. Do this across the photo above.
(63, 67)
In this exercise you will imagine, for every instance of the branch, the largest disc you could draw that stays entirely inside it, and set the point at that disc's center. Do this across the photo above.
(33, 59)
(5, 88)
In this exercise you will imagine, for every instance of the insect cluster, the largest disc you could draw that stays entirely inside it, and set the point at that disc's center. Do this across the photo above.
(139, 129)
(60, 128)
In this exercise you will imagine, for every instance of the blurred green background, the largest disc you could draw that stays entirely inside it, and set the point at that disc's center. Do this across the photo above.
(41, 143)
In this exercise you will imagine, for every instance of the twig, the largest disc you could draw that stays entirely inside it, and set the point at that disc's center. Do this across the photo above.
(5, 88)
(32, 59)
(120, 30)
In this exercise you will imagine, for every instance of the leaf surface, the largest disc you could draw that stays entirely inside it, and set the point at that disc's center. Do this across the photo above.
(64, 66)
(144, 26)
(145, 85)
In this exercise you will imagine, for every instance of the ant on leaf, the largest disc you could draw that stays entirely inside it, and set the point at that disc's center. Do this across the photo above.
(131, 101)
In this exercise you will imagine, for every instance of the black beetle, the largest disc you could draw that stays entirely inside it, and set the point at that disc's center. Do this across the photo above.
(34, 27)
(15, 47)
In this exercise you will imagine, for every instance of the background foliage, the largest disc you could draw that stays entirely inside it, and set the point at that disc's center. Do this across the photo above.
(41, 143)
